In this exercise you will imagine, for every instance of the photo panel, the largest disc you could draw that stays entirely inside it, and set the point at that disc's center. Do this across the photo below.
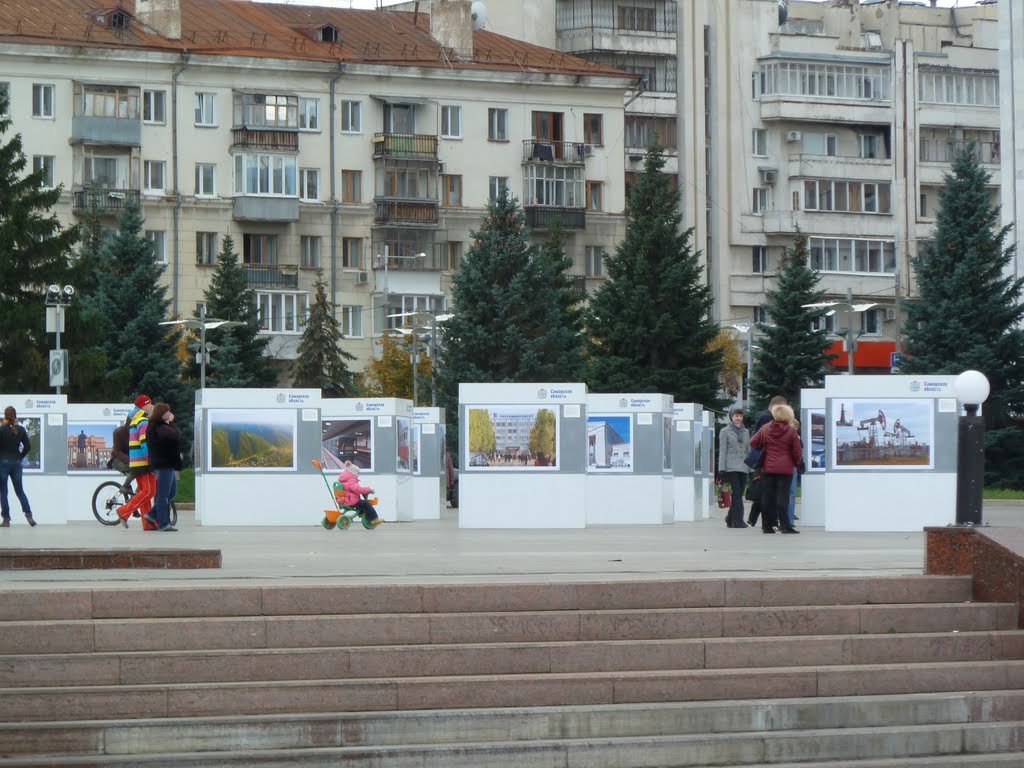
(34, 428)
(404, 453)
(416, 449)
(509, 437)
(251, 440)
(814, 441)
(667, 443)
(348, 440)
(609, 442)
(90, 444)
(698, 448)
(883, 434)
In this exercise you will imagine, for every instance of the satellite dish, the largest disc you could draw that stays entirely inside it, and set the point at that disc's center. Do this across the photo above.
(478, 12)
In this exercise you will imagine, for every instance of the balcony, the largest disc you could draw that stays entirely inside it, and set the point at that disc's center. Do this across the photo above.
(806, 166)
(779, 223)
(271, 275)
(431, 261)
(945, 151)
(404, 211)
(257, 208)
(409, 146)
(547, 216)
(106, 130)
(107, 200)
(270, 140)
(812, 109)
(557, 152)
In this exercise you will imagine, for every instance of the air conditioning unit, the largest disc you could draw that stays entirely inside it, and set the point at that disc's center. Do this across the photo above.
(793, 136)
(362, 278)
(890, 313)
(588, 150)
(768, 176)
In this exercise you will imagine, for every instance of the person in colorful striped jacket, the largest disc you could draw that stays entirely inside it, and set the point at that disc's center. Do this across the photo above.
(138, 461)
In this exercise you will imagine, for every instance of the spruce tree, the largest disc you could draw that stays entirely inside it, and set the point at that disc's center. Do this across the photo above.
(968, 312)
(649, 323)
(34, 252)
(322, 363)
(241, 355)
(791, 354)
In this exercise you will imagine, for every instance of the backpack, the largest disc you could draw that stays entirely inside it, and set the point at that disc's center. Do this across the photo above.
(121, 438)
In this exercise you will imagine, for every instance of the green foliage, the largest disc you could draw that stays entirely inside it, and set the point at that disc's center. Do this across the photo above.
(322, 363)
(390, 375)
(34, 252)
(649, 324)
(791, 355)
(481, 431)
(542, 434)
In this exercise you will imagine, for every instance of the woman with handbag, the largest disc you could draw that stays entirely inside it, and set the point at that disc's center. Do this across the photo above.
(733, 444)
(782, 455)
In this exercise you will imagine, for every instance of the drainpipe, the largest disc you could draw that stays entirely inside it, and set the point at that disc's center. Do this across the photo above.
(176, 228)
(334, 192)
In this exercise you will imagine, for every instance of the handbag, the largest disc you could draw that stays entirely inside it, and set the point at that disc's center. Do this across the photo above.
(754, 458)
(754, 488)
(724, 496)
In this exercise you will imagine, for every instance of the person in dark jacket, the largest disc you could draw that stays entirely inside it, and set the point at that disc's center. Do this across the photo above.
(14, 446)
(782, 455)
(164, 440)
(764, 418)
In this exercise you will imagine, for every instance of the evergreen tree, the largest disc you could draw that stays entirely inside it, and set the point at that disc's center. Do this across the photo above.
(791, 354)
(34, 252)
(241, 355)
(649, 323)
(969, 312)
(322, 363)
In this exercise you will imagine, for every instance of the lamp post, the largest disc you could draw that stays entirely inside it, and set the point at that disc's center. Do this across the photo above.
(56, 299)
(972, 389)
(851, 335)
(416, 349)
(201, 324)
(386, 258)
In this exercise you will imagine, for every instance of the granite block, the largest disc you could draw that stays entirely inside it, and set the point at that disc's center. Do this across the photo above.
(338, 600)
(340, 631)
(519, 691)
(173, 634)
(504, 627)
(35, 605)
(771, 622)
(709, 685)
(167, 602)
(269, 698)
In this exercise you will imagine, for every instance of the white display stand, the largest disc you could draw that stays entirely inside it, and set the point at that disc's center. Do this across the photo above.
(259, 471)
(687, 437)
(889, 494)
(44, 480)
(389, 420)
(514, 486)
(707, 497)
(428, 488)
(627, 480)
(88, 441)
(812, 483)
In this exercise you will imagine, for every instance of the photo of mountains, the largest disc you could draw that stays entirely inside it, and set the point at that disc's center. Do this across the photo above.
(252, 440)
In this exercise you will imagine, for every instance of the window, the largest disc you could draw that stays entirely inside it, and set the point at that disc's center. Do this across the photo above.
(759, 259)
(636, 19)
(206, 180)
(760, 142)
(593, 129)
(206, 247)
(105, 171)
(830, 254)
(761, 315)
(309, 252)
(259, 249)
(453, 256)
(282, 312)
(351, 253)
(309, 184)
(154, 175)
(594, 261)
(309, 114)
(870, 322)
(116, 101)
(924, 205)
(760, 200)
(847, 196)
(351, 186)
(951, 87)
(495, 186)
(595, 196)
(399, 118)
(266, 175)
(545, 184)
(497, 124)
(407, 304)
(352, 321)
(819, 144)
(154, 107)
(868, 144)
(452, 185)
(820, 80)
(351, 117)
(42, 100)
(44, 163)
(266, 110)
(451, 122)
(642, 132)
(5, 99)
(157, 238)
(825, 323)
(205, 113)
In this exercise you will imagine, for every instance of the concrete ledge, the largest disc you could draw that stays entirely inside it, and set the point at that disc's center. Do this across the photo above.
(88, 559)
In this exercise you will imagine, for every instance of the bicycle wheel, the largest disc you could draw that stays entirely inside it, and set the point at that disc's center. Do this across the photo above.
(105, 501)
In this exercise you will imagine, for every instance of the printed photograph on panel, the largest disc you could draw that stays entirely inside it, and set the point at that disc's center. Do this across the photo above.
(404, 455)
(698, 448)
(34, 429)
(609, 443)
(815, 438)
(344, 440)
(667, 443)
(510, 437)
(251, 440)
(89, 445)
(884, 434)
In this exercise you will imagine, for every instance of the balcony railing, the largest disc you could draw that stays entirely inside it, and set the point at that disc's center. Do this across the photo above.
(558, 152)
(407, 145)
(105, 199)
(430, 261)
(399, 211)
(272, 275)
(945, 151)
(546, 216)
(271, 140)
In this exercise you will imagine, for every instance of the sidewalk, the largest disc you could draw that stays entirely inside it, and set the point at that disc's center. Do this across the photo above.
(437, 551)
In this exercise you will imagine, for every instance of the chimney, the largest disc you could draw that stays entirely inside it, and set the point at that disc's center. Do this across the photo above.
(451, 25)
(162, 16)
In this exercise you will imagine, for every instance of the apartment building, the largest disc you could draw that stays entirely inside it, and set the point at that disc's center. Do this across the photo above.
(364, 143)
(1011, 90)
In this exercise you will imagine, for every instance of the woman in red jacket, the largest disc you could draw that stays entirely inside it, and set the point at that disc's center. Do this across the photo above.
(782, 455)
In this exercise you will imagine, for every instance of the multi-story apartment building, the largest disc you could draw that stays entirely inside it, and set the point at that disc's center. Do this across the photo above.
(364, 143)
(1011, 90)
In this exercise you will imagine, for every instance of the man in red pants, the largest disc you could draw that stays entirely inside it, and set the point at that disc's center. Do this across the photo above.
(138, 460)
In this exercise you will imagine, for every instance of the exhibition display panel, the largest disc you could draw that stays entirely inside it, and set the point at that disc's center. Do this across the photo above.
(44, 470)
(428, 468)
(687, 458)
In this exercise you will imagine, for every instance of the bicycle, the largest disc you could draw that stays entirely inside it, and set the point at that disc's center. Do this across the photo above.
(110, 495)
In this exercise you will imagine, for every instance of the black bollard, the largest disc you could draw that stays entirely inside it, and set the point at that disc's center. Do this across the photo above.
(970, 466)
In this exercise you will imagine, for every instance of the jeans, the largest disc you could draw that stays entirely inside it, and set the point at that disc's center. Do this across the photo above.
(737, 482)
(12, 468)
(166, 490)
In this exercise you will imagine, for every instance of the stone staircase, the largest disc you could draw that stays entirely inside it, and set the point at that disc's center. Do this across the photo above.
(887, 672)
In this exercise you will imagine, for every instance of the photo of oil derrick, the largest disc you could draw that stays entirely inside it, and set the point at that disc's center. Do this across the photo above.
(891, 434)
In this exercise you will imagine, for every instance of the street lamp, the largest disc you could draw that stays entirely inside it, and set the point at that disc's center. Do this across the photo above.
(201, 324)
(56, 299)
(971, 389)
(851, 335)
(386, 258)
(416, 348)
